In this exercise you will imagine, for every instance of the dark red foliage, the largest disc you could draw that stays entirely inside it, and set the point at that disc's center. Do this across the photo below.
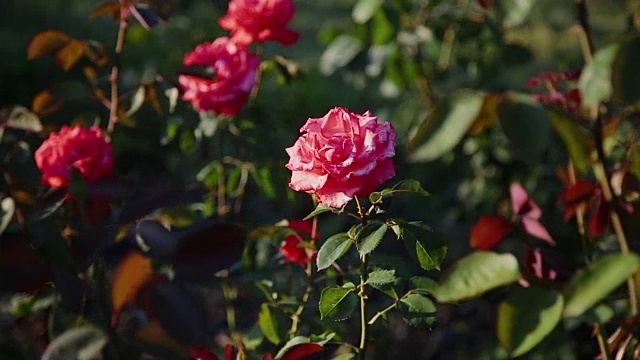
(302, 352)
(489, 231)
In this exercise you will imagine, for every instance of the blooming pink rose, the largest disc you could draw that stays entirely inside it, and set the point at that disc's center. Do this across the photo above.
(260, 20)
(291, 248)
(342, 155)
(236, 72)
(74, 147)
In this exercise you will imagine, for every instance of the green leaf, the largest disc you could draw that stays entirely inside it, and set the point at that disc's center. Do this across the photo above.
(381, 277)
(22, 119)
(597, 281)
(526, 125)
(417, 310)
(410, 185)
(429, 253)
(273, 323)
(527, 317)
(332, 250)
(364, 10)
(82, 343)
(595, 80)
(8, 207)
(319, 210)
(382, 30)
(337, 303)
(339, 53)
(445, 126)
(574, 138)
(476, 274)
(370, 236)
(422, 284)
(516, 12)
(625, 75)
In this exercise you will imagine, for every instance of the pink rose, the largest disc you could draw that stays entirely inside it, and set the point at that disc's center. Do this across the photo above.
(260, 20)
(342, 155)
(291, 249)
(74, 147)
(236, 72)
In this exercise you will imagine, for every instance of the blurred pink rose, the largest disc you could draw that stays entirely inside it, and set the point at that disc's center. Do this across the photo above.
(74, 147)
(291, 249)
(260, 20)
(235, 69)
(342, 155)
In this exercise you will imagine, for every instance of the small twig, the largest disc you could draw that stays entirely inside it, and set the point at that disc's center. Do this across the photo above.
(602, 342)
(115, 69)
(256, 87)
(382, 312)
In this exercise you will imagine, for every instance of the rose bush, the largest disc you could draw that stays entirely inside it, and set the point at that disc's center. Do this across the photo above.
(74, 147)
(235, 69)
(260, 20)
(341, 155)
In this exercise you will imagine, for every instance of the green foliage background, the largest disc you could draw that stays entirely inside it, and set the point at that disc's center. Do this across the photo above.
(499, 52)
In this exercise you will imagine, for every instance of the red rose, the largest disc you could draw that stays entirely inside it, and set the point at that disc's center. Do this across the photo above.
(260, 20)
(291, 248)
(235, 69)
(74, 147)
(341, 155)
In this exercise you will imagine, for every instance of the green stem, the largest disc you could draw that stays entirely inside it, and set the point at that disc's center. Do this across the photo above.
(381, 313)
(362, 294)
(229, 296)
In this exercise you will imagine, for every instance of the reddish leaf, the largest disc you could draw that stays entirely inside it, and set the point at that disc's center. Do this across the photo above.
(537, 266)
(489, 231)
(599, 221)
(70, 54)
(267, 356)
(201, 353)
(577, 193)
(132, 274)
(207, 248)
(111, 7)
(534, 228)
(21, 268)
(45, 103)
(484, 3)
(228, 352)
(302, 351)
(46, 42)
(180, 312)
(154, 333)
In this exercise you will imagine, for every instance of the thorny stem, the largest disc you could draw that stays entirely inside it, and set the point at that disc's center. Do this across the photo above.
(361, 293)
(310, 282)
(115, 69)
(256, 87)
(600, 168)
